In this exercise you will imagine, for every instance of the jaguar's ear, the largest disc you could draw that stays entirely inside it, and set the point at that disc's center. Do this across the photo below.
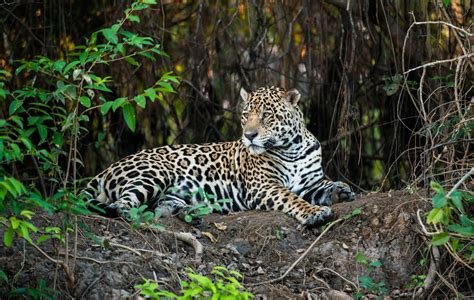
(244, 95)
(293, 96)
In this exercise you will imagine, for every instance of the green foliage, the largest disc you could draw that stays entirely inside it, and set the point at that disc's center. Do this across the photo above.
(368, 284)
(225, 285)
(51, 112)
(354, 213)
(140, 215)
(47, 115)
(208, 204)
(453, 216)
(42, 291)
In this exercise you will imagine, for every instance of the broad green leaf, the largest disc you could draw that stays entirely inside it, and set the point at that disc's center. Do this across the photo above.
(119, 102)
(134, 18)
(439, 200)
(150, 93)
(59, 65)
(466, 221)
(58, 139)
(456, 198)
(110, 35)
(141, 101)
(14, 222)
(27, 143)
(149, 1)
(463, 230)
(14, 106)
(106, 107)
(435, 216)
(43, 131)
(165, 87)
(85, 101)
(3, 122)
(129, 116)
(8, 237)
(71, 65)
(440, 239)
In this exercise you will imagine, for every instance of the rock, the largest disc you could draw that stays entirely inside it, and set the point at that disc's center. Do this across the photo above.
(337, 295)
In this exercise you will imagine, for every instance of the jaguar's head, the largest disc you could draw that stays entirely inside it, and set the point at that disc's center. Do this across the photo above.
(270, 118)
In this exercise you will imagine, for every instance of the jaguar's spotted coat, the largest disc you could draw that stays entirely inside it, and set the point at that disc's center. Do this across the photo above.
(275, 166)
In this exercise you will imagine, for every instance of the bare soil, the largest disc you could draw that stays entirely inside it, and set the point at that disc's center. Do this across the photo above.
(260, 245)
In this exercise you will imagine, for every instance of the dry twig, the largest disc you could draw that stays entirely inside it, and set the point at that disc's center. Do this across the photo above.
(305, 253)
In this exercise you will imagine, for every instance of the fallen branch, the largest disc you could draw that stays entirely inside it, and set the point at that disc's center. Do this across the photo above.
(186, 237)
(191, 240)
(305, 253)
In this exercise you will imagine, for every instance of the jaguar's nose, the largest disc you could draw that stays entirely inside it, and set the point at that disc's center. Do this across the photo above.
(250, 134)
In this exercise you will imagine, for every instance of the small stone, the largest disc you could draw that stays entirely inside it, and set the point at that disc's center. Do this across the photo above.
(337, 295)
(344, 245)
(375, 222)
(260, 271)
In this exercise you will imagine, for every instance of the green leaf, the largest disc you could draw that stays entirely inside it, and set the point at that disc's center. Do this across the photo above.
(360, 258)
(14, 106)
(435, 216)
(149, 1)
(440, 239)
(106, 107)
(110, 35)
(463, 230)
(436, 187)
(456, 198)
(27, 214)
(59, 65)
(119, 102)
(375, 264)
(134, 18)
(85, 101)
(439, 200)
(3, 276)
(141, 101)
(8, 237)
(132, 61)
(3, 122)
(58, 139)
(43, 131)
(129, 116)
(150, 93)
(27, 143)
(446, 3)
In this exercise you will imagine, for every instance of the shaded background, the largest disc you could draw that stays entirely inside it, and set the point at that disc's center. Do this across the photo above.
(377, 129)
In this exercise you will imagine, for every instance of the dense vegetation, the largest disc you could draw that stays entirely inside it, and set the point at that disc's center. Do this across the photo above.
(386, 86)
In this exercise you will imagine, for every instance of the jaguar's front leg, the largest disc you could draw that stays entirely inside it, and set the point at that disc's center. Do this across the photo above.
(328, 192)
(280, 198)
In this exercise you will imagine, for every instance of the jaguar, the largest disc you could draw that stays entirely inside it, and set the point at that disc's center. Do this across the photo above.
(275, 165)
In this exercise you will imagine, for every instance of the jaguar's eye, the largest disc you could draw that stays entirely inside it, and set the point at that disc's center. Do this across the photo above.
(245, 114)
(265, 114)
